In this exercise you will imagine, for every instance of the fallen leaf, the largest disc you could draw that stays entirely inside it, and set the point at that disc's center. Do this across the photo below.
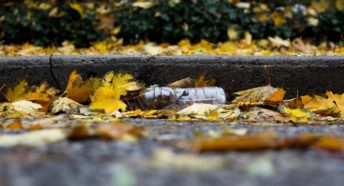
(264, 94)
(12, 125)
(44, 123)
(152, 49)
(261, 114)
(278, 18)
(106, 22)
(198, 109)
(82, 131)
(65, 105)
(107, 99)
(41, 94)
(191, 162)
(279, 42)
(329, 105)
(265, 140)
(276, 97)
(340, 5)
(78, 89)
(302, 47)
(338, 101)
(203, 82)
(144, 5)
(253, 141)
(17, 92)
(297, 115)
(119, 131)
(320, 5)
(76, 6)
(35, 138)
(133, 114)
(330, 143)
(298, 102)
(232, 33)
(27, 108)
(183, 83)
(56, 13)
(107, 96)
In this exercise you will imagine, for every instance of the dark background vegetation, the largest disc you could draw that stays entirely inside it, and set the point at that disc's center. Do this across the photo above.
(165, 21)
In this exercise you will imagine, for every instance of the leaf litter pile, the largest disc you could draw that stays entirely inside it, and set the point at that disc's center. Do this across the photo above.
(245, 47)
(99, 108)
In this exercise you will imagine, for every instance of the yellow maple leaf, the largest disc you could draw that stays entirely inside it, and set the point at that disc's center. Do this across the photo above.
(78, 89)
(297, 115)
(107, 97)
(331, 104)
(17, 92)
(41, 94)
(319, 103)
(22, 92)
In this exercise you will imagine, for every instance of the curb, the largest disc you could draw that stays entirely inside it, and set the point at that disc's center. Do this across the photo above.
(298, 75)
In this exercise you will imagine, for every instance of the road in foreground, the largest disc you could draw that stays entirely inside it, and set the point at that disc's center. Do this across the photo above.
(155, 160)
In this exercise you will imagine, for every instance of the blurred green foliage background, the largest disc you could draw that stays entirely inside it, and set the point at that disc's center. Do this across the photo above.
(47, 23)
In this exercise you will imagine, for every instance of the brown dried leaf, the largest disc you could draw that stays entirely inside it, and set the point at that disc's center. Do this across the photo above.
(50, 122)
(331, 143)
(267, 94)
(265, 140)
(332, 104)
(183, 83)
(12, 125)
(81, 132)
(253, 141)
(119, 131)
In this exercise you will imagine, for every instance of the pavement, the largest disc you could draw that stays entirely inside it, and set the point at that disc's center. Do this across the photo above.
(155, 160)
(100, 162)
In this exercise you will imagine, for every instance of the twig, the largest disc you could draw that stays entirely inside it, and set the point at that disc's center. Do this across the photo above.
(267, 74)
(2, 92)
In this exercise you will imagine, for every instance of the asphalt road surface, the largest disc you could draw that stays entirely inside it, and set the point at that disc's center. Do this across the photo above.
(154, 161)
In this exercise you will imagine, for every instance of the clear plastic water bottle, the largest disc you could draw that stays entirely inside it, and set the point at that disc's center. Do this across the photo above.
(159, 97)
